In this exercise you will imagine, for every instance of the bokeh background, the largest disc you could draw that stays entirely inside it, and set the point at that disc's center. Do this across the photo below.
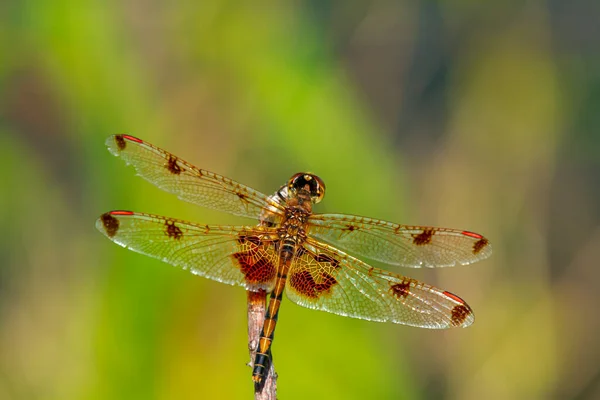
(478, 116)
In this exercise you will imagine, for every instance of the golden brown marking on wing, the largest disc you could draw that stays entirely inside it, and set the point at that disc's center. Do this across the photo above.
(229, 254)
(310, 275)
(258, 265)
(191, 183)
(403, 245)
(309, 285)
(358, 290)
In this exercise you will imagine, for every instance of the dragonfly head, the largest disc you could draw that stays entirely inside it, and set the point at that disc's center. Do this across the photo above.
(304, 184)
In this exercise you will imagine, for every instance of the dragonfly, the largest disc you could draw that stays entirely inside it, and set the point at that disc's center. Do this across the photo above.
(311, 257)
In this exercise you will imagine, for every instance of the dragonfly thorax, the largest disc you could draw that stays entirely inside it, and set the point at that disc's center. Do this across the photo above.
(293, 227)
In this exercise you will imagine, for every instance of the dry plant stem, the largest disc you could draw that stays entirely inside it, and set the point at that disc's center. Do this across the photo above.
(257, 303)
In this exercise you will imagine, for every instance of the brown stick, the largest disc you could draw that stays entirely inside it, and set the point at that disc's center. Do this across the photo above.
(257, 303)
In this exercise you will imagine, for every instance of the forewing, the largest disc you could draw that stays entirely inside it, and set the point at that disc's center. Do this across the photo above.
(188, 182)
(403, 245)
(324, 278)
(236, 255)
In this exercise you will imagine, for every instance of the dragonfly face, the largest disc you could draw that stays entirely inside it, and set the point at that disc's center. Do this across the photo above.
(292, 250)
(306, 186)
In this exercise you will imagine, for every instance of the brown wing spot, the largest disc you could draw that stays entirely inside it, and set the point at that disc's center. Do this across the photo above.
(305, 284)
(242, 196)
(401, 290)
(111, 224)
(173, 230)
(460, 314)
(120, 142)
(172, 165)
(352, 228)
(423, 237)
(327, 259)
(479, 245)
(254, 264)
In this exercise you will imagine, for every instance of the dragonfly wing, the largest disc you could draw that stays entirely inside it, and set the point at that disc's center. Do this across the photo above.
(403, 245)
(324, 278)
(236, 255)
(188, 182)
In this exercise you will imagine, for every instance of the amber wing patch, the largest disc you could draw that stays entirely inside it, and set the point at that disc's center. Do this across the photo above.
(255, 263)
(305, 284)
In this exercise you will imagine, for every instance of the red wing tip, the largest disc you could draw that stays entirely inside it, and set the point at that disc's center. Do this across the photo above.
(121, 212)
(454, 297)
(472, 234)
(132, 138)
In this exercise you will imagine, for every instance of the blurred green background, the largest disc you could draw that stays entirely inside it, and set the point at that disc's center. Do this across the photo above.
(478, 116)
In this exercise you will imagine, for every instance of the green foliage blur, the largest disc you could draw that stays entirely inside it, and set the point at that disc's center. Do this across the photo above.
(471, 115)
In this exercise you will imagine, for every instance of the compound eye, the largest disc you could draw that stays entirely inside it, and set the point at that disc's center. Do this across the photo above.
(319, 192)
(308, 184)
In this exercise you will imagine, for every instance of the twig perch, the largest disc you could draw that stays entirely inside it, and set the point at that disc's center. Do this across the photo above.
(257, 302)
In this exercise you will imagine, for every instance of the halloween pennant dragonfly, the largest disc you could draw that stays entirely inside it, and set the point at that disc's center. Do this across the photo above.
(292, 250)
